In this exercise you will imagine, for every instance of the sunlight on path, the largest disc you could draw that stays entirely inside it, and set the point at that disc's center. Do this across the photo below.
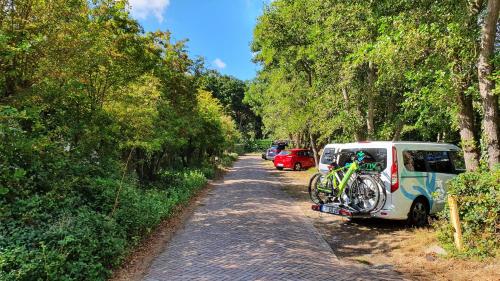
(249, 229)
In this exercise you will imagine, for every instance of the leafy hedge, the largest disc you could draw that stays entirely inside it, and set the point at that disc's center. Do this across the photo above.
(478, 196)
(50, 237)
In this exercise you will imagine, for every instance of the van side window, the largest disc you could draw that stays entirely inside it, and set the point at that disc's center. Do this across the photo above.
(458, 161)
(414, 160)
(439, 162)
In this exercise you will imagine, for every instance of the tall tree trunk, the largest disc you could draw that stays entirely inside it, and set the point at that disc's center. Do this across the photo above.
(358, 134)
(486, 85)
(466, 124)
(371, 102)
(369, 118)
(314, 149)
(397, 132)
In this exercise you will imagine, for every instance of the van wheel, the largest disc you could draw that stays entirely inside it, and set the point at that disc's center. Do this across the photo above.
(419, 213)
(297, 167)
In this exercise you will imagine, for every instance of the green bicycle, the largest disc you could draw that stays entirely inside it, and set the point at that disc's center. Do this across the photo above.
(355, 185)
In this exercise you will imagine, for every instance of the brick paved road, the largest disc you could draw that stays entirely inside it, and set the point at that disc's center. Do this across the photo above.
(249, 229)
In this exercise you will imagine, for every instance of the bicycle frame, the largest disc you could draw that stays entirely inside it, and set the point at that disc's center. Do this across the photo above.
(332, 175)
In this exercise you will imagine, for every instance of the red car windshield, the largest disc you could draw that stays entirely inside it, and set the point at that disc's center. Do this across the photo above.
(284, 152)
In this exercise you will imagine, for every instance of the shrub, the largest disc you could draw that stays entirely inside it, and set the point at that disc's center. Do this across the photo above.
(73, 237)
(227, 159)
(478, 194)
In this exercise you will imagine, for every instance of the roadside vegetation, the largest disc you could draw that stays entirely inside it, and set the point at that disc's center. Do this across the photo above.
(339, 71)
(478, 196)
(104, 129)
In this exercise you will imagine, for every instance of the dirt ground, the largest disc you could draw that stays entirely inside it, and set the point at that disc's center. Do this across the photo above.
(384, 243)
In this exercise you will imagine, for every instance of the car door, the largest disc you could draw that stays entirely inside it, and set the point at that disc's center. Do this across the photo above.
(299, 157)
(414, 177)
(310, 159)
(441, 171)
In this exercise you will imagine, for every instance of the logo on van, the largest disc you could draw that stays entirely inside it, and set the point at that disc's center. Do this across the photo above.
(426, 187)
(374, 166)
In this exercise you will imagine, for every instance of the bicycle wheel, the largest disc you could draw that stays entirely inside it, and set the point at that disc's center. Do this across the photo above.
(366, 194)
(318, 197)
(382, 192)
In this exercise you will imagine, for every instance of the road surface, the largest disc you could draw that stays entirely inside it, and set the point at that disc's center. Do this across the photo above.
(248, 228)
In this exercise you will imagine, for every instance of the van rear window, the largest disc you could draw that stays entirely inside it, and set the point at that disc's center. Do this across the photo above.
(372, 155)
(328, 155)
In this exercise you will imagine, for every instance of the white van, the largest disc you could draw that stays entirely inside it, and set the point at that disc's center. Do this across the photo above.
(415, 176)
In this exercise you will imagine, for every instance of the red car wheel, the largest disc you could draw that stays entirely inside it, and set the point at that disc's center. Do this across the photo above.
(297, 166)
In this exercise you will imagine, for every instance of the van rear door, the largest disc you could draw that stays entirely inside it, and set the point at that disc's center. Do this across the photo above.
(327, 157)
(377, 153)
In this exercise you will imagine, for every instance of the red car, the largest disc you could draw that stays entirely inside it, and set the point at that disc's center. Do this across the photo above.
(296, 159)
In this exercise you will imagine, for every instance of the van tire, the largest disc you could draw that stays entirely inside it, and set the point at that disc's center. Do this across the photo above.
(419, 212)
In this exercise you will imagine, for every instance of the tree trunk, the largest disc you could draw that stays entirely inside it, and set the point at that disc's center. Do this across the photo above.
(358, 134)
(371, 103)
(486, 85)
(369, 118)
(466, 124)
(314, 149)
(397, 132)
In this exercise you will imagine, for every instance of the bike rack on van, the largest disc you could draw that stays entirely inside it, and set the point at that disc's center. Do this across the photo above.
(339, 210)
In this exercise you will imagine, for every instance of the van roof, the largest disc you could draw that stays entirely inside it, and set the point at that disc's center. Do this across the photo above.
(399, 143)
(333, 145)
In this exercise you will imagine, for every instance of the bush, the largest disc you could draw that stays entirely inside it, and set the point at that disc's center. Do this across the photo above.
(49, 237)
(478, 194)
(227, 159)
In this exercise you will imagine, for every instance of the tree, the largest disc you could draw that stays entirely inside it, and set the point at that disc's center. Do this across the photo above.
(378, 70)
(487, 84)
(230, 91)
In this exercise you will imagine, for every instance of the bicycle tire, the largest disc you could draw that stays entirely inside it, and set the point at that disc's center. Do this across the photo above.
(313, 191)
(366, 194)
(383, 193)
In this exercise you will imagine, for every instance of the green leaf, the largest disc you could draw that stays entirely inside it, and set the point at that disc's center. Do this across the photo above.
(3, 190)
(19, 173)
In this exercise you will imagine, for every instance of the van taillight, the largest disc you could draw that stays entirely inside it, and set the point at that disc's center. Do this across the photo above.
(394, 171)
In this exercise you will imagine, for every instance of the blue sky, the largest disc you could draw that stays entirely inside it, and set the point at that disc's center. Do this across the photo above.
(218, 30)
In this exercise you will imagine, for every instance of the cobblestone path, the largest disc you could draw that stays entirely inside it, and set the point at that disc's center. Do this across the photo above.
(247, 228)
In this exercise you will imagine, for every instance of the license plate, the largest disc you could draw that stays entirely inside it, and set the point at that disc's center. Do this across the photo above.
(280, 165)
(330, 209)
